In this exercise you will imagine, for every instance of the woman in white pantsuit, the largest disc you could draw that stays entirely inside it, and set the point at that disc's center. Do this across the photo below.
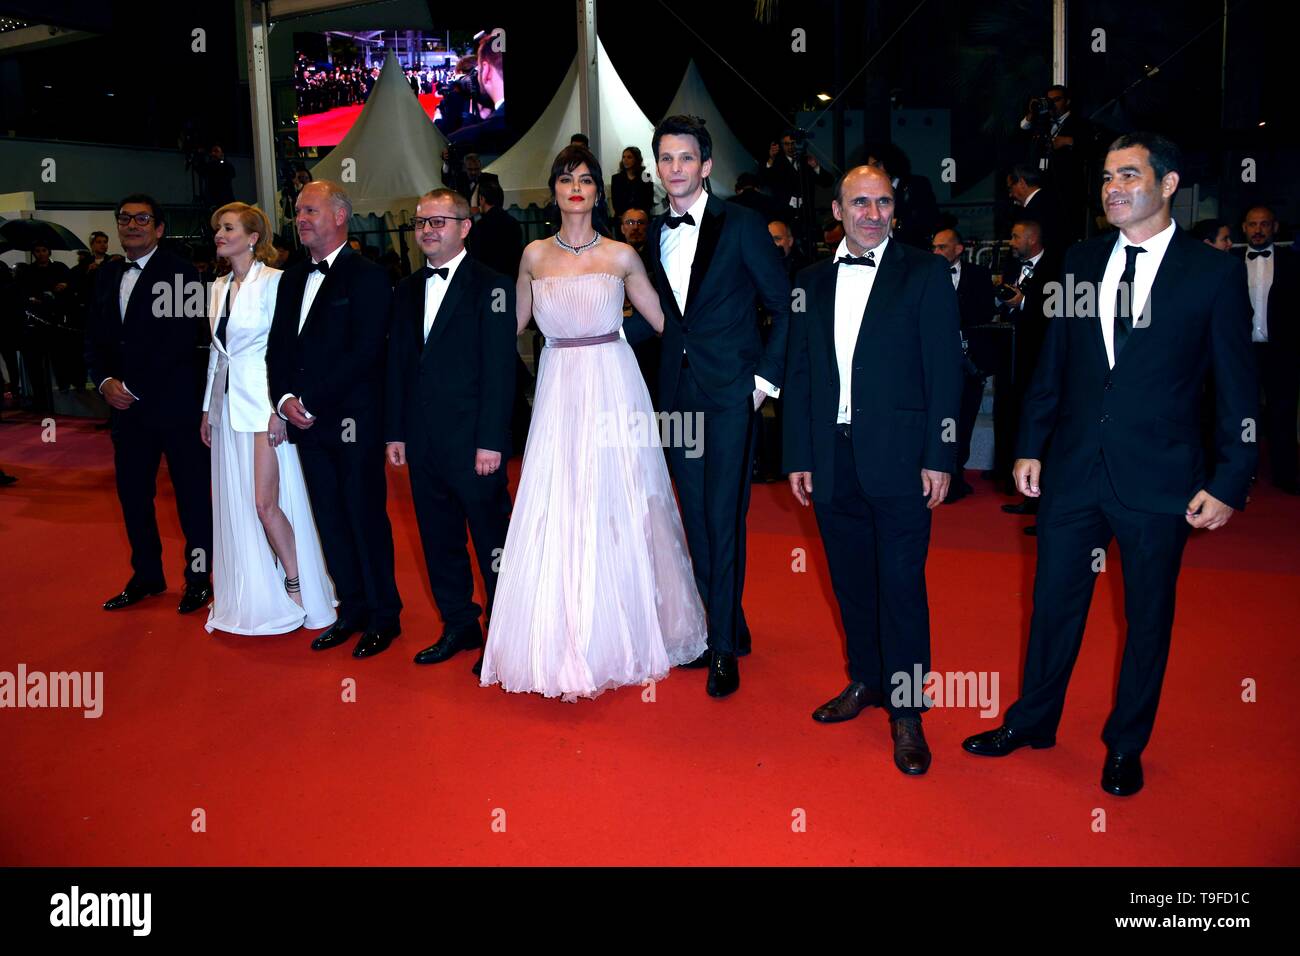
(260, 510)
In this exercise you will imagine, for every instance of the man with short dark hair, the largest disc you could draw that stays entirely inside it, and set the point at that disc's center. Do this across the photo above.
(148, 356)
(497, 239)
(1110, 441)
(1027, 188)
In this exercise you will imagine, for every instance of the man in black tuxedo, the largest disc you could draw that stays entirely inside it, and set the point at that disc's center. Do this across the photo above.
(1273, 281)
(872, 399)
(712, 262)
(325, 370)
(791, 180)
(974, 287)
(1026, 188)
(146, 350)
(497, 239)
(1114, 407)
(451, 382)
(1022, 306)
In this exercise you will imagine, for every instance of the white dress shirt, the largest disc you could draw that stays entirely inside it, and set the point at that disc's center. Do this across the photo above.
(1144, 276)
(314, 280)
(1259, 278)
(435, 290)
(954, 268)
(1027, 268)
(853, 286)
(677, 253)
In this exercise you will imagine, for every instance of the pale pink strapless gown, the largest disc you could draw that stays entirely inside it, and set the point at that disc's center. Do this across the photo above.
(596, 588)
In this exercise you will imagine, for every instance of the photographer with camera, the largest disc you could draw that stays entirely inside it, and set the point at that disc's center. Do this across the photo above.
(791, 174)
(1062, 144)
(487, 135)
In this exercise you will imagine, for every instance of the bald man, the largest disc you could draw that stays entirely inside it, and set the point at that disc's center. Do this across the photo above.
(872, 396)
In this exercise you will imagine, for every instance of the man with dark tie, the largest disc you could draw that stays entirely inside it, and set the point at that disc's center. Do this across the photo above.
(872, 394)
(974, 287)
(1113, 410)
(451, 382)
(1273, 280)
(148, 357)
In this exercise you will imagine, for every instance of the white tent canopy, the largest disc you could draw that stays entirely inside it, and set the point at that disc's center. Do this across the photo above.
(525, 167)
(394, 148)
(730, 158)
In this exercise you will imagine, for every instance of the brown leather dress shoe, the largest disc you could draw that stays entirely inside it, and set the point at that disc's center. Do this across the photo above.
(851, 702)
(911, 752)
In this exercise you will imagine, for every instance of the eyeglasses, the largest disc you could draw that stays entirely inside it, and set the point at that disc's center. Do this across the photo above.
(437, 222)
(141, 219)
(634, 222)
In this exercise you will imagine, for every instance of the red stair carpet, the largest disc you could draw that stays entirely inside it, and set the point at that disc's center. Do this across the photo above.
(426, 768)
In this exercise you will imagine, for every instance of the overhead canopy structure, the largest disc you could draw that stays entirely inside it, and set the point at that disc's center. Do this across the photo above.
(525, 167)
(393, 152)
(730, 158)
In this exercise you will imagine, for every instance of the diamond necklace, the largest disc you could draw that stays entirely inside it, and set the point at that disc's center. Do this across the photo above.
(577, 250)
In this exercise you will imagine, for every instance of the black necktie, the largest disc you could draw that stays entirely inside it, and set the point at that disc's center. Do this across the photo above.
(674, 221)
(322, 267)
(1124, 298)
(428, 272)
(868, 260)
(1255, 255)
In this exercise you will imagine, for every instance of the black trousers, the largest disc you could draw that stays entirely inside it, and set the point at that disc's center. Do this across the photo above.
(138, 449)
(349, 491)
(1279, 375)
(1076, 521)
(876, 549)
(713, 489)
(447, 496)
(972, 394)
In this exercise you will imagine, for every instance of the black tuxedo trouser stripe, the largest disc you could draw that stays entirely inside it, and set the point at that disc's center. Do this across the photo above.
(1074, 520)
(713, 490)
(349, 490)
(138, 449)
(876, 549)
(444, 502)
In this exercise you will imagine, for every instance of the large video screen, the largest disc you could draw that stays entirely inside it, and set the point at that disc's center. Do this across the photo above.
(456, 75)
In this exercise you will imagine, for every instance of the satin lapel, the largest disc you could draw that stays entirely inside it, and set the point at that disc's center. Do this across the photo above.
(715, 214)
(890, 275)
(661, 275)
(417, 326)
(326, 287)
(822, 295)
(214, 308)
(1162, 290)
(1096, 272)
(450, 302)
(148, 276)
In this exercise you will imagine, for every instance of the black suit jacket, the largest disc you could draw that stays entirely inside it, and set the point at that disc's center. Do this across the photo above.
(785, 181)
(1031, 321)
(335, 365)
(907, 380)
(1143, 416)
(1045, 207)
(457, 388)
(736, 269)
(1283, 301)
(497, 240)
(158, 351)
(974, 295)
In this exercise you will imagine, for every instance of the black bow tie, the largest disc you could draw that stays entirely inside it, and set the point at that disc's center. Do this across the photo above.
(868, 260)
(672, 222)
(429, 272)
(322, 267)
(133, 265)
(952, 270)
(1255, 255)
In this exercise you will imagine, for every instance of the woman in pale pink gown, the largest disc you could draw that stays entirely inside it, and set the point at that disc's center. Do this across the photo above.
(596, 588)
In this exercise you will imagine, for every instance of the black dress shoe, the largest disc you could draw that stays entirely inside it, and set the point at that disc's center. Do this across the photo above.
(724, 675)
(957, 493)
(478, 667)
(704, 660)
(375, 642)
(6, 479)
(132, 594)
(194, 597)
(1003, 740)
(852, 701)
(464, 638)
(1027, 507)
(1121, 775)
(1031, 530)
(334, 635)
(911, 752)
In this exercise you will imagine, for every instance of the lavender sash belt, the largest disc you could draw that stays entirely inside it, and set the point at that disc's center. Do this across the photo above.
(577, 343)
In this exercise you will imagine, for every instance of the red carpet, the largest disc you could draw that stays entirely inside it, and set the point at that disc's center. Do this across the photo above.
(253, 731)
(329, 128)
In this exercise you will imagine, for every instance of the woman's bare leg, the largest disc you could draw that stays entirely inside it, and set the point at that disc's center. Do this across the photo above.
(266, 485)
